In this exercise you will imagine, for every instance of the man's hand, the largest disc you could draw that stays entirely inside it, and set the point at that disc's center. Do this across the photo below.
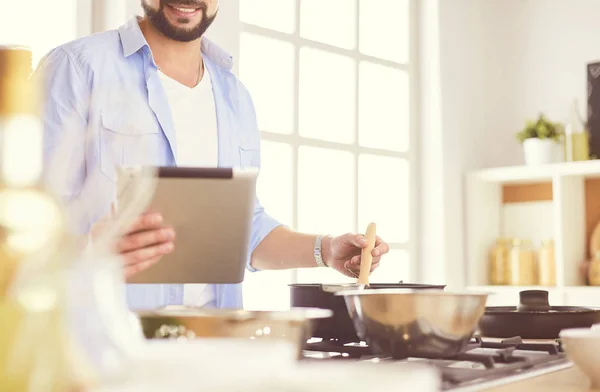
(144, 244)
(343, 253)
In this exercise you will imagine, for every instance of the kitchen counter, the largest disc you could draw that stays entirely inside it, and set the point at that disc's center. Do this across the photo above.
(567, 380)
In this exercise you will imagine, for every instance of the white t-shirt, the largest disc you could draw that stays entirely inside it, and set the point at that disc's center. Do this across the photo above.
(195, 121)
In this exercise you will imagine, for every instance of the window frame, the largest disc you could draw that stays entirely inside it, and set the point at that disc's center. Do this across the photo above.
(295, 140)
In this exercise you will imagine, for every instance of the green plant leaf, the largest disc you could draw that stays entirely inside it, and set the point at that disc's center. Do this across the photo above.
(541, 128)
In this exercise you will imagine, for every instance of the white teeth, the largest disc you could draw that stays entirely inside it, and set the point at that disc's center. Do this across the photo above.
(188, 10)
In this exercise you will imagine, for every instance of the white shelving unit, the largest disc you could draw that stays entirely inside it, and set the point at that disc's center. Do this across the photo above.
(562, 217)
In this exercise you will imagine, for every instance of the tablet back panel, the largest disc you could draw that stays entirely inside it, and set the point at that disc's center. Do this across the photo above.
(211, 211)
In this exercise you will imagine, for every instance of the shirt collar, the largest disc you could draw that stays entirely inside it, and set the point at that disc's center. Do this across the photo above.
(133, 40)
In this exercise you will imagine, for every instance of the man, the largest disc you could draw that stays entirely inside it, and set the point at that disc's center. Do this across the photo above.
(156, 92)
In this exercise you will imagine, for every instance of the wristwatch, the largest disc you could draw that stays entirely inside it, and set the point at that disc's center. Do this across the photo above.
(318, 251)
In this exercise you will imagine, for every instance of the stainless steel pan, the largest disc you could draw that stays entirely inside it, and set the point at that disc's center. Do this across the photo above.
(338, 327)
(415, 323)
(177, 322)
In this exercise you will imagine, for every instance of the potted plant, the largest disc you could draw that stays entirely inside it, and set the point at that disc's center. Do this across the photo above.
(542, 141)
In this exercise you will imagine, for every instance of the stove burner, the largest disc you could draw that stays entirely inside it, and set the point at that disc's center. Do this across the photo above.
(483, 361)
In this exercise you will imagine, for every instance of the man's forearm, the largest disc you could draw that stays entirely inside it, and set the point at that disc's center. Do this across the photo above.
(285, 249)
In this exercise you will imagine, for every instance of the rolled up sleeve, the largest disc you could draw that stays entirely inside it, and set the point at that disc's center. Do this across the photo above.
(262, 223)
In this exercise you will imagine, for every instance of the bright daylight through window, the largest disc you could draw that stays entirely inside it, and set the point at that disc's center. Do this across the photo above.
(41, 33)
(331, 81)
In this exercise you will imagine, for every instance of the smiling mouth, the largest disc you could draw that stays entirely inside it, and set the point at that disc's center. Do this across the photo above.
(184, 10)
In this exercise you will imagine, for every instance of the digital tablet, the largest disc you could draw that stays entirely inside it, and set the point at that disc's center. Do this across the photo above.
(211, 210)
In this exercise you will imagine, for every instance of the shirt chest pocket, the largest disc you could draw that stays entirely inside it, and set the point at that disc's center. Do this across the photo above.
(249, 152)
(127, 140)
(249, 156)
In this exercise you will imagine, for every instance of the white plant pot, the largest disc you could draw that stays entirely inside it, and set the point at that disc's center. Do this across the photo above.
(541, 151)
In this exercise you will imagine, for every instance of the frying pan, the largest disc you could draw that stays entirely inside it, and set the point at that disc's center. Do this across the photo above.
(534, 318)
(339, 327)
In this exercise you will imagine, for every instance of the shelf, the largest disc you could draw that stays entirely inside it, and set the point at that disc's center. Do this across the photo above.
(557, 296)
(499, 288)
(520, 174)
(583, 289)
(557, 201)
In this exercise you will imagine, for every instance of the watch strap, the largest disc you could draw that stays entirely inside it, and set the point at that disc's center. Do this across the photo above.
(318, 251)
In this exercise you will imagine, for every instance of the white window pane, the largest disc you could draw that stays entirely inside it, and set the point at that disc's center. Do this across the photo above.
(277, 15)
(270, 82)
(322, 275)
(384, 29)
(27, 24)
(331, 22)
(274, 187)
(327, 96)
(383, 196)
(267, 290)
(394, 267)
(384, 115)
(326, 191)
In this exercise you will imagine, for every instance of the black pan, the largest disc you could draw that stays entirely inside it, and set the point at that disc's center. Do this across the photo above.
(338, 327)
(534, 318)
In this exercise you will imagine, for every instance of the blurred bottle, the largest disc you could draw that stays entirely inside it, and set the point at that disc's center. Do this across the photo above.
(546, 264)
(499, 262)
(577, 147)
(65, 322)
(521, 264)
(35, 352)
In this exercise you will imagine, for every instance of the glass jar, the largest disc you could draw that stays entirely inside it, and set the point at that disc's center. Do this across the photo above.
(521, 263)
(594, 271)
(498, 261)
(577, 146)
(546, 264)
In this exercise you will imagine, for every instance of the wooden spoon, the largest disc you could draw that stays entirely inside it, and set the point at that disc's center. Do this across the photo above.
(366, 257)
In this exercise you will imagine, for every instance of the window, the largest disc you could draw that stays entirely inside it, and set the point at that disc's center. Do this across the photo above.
(332, 83)
(41, 25)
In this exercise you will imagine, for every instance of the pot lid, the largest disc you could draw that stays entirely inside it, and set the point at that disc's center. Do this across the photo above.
(536, 302)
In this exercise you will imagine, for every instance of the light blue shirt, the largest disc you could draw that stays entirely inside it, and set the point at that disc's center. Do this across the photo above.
(105, 106)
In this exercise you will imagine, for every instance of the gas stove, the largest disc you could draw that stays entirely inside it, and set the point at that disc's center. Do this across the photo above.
(486, 363)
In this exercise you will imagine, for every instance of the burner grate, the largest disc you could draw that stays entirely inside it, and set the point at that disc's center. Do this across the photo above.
(483, 360)
(516, 342)
(346, 350)
(453, 377)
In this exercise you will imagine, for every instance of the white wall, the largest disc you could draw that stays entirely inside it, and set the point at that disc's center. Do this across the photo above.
(454, 83)
(499, 63)
(559, 39)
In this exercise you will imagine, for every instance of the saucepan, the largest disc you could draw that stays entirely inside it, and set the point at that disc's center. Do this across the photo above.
(182, 322)
(415, 323)
(534, 318)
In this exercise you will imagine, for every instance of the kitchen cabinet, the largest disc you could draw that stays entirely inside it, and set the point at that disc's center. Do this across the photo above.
(559, 202)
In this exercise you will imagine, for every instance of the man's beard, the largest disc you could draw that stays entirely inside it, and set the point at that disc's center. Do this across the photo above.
(159, 20)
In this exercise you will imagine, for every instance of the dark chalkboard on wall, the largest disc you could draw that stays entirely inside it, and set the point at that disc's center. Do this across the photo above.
(593, 111)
